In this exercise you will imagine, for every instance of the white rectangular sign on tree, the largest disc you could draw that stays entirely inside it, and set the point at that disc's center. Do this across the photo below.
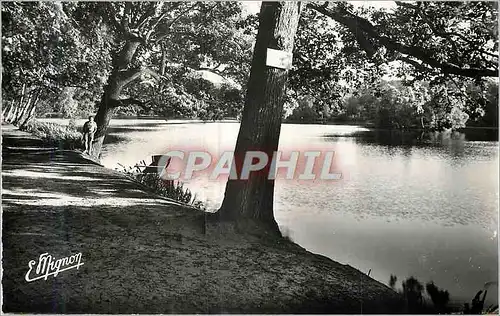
(279, 59)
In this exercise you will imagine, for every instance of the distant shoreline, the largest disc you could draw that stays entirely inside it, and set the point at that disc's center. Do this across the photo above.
(233, 120)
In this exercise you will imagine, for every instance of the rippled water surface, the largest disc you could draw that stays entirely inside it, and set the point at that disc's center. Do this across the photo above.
(425, 207)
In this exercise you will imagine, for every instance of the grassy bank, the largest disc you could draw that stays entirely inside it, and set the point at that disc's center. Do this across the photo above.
(62, 137)
(168, 188)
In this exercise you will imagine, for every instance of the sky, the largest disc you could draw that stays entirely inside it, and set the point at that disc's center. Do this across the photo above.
(252, 7)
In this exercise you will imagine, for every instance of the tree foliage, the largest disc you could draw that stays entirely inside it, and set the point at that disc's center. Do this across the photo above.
(435, 38)
(44, 54)
(64, 58)
(60, 46)
(448, 48)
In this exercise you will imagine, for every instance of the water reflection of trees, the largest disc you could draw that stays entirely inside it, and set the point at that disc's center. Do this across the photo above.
(417, 138)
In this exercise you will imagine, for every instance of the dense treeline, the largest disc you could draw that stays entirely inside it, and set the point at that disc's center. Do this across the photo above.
(394, 105)
(57, 58)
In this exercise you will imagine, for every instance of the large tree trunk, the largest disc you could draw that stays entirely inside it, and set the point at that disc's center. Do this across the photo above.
(261, 121)
(7, 110)
(12, 118)
(14, 114)
(30, 109)
(102, 119)
(4, 111)
(120, 76)
(30, 115)
(24, 109)
(10, 114)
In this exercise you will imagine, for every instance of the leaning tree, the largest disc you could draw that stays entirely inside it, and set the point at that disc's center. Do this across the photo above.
(149, 37)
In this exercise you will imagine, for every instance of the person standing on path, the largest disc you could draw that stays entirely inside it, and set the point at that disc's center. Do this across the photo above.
(89, 129)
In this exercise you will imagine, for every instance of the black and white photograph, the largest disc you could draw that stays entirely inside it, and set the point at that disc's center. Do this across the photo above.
(250, 157)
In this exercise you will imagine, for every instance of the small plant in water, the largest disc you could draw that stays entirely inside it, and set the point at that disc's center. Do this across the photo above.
(174, 190)
(440, 298)
(412, 291)
(392, 281)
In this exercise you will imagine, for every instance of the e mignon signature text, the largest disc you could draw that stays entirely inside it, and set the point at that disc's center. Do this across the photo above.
(47, 265)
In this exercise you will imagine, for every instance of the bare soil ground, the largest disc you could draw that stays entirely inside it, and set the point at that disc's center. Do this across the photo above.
(146, 254)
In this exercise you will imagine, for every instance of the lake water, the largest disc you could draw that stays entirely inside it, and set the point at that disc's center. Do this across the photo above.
(426, 208)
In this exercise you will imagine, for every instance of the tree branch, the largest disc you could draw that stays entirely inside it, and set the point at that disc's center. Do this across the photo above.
(160, 18)
(131, 101)
(149, 11)
(111, 17)
(353, 22)
(416, 64)
(431, 25)
(442, 33)
(122, 26)
(126, 16)
(79, 87)
(175, 20)
(214, 70)
(127, 76)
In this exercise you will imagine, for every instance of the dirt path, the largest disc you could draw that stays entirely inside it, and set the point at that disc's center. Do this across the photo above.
(144, 254)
